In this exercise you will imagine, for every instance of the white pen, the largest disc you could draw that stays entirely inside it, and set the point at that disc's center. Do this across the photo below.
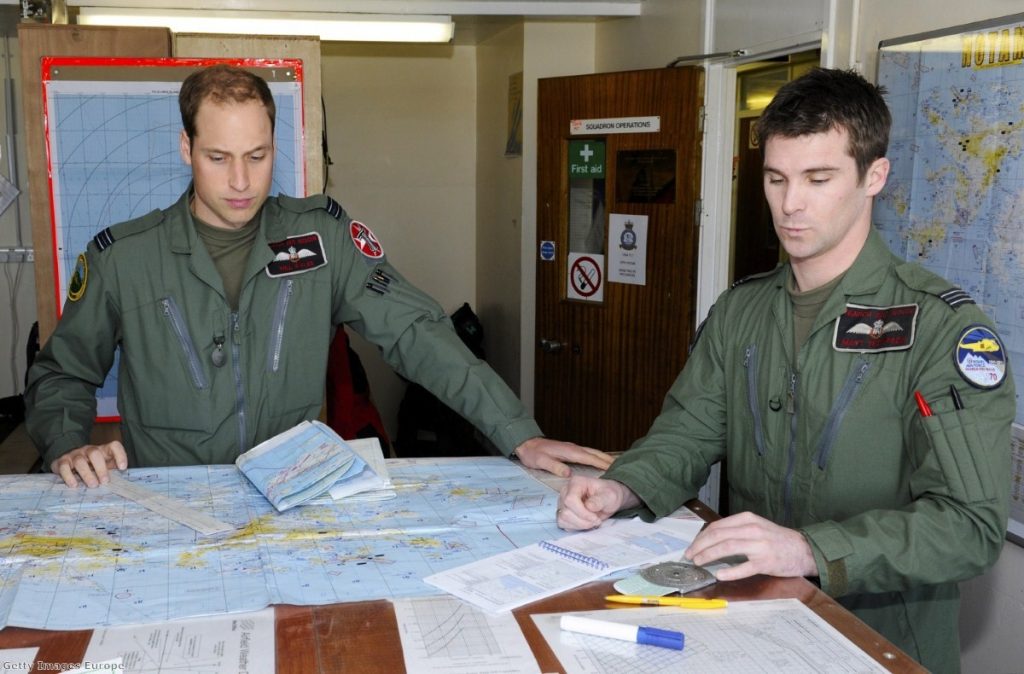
(651, 636)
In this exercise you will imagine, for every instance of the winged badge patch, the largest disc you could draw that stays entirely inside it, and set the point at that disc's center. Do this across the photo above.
(296, 254)
(866, 329)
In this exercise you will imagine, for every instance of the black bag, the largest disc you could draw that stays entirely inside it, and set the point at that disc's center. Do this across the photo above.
(428, 427)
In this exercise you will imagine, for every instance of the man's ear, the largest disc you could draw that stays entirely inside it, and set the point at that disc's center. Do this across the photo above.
(877, 174)
(185, 148)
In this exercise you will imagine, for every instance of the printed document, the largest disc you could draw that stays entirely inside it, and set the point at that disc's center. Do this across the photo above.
(444, 634)
(511, 579)
(223, 644)
(778, 635)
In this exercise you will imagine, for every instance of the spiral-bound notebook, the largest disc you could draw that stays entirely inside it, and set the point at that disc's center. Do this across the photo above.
(511, 579)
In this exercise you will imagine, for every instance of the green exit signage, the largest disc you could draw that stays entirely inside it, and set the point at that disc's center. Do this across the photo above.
(586, 159)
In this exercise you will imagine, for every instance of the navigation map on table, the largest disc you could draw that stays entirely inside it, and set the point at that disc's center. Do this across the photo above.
(89, 557)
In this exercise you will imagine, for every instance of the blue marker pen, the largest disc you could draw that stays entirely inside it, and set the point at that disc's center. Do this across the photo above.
(651, 636)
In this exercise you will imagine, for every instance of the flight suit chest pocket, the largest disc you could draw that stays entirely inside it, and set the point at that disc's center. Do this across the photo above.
(757, 444)
(166, 378)
(295, 360)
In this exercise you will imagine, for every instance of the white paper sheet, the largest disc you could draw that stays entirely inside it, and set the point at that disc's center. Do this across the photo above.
(18, 659)
(511, 579)
(780, 635)
(222, 644)
(444, 634)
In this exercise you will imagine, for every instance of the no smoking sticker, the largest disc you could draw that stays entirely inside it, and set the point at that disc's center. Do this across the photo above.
(586, 277)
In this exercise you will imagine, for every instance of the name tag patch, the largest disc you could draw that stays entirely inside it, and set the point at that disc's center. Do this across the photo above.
(864, 329)
(980, 357)
(296, 254)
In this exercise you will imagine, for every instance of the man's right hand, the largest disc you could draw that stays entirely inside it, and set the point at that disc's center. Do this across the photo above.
(585, 502)
(92, 463)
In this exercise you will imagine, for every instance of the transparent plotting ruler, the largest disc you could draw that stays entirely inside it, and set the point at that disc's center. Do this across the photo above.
(170, 508)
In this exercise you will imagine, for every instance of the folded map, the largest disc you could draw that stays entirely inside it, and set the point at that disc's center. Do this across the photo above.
(301, 463)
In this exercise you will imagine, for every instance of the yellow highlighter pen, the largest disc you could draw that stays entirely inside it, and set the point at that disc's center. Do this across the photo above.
(681, 602)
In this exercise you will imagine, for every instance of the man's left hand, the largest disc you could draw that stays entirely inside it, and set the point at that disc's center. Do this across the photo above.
(769, 548)
(551, 455)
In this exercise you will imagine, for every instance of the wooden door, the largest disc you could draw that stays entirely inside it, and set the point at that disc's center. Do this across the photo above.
(603, 367)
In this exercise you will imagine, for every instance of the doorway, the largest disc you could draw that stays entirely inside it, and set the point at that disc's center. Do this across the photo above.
(754, 245)
(618, 184)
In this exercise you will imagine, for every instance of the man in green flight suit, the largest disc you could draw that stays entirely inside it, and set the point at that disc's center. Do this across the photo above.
(806, 379)
(223, 307)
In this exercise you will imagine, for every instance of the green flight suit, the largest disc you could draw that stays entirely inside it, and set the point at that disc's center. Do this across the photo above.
(198, 383)
(896, 507)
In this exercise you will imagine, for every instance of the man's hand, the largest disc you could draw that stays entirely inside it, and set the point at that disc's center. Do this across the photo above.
(549, 455)
(92, 463)
(585, 502)
(769, 548)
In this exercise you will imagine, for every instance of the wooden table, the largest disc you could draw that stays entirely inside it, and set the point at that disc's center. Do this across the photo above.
(362, 637)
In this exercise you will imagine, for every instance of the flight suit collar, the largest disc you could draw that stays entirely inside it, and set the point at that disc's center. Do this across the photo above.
(185, 240)
(864, 277)
(869, 270)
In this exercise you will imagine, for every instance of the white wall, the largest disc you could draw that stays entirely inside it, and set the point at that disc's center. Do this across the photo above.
(665, 31)
(401, 123)
(550, 49)
(499, 190)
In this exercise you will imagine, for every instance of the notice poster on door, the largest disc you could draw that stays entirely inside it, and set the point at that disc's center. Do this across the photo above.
(627, 249)
(586, 277)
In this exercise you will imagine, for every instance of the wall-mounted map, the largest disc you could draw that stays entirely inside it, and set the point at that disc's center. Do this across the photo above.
(955, 198)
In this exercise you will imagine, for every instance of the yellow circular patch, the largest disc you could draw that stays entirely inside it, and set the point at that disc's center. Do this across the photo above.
(79, 279)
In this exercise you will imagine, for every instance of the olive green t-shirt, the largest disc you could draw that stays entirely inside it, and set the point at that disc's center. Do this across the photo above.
(806, 307)
(229, 249)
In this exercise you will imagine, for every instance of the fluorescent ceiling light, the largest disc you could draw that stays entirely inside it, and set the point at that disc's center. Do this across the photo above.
(328, 26)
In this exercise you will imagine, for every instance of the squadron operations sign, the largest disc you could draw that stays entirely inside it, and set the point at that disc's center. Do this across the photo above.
(583, 127)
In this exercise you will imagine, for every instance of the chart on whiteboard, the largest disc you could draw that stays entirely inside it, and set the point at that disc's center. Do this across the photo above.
(114, 156)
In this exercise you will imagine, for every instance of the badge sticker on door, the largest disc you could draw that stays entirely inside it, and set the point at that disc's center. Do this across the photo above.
(297, 255)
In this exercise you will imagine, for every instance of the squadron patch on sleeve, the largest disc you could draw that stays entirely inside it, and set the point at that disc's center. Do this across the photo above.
(980, 357)
(296, 254)
(365, 240)
(79, 279)
(864, 329)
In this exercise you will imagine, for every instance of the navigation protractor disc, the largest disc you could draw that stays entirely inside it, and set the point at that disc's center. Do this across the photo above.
(685, 577)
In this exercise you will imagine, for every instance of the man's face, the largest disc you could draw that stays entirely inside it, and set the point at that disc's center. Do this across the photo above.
(820, 207)
(232, 160)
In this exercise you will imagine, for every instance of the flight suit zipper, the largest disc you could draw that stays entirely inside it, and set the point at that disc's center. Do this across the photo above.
(173, 314)
(284, 294)
(236, 366)
(750, 363)
(787, 494)
(835, 418)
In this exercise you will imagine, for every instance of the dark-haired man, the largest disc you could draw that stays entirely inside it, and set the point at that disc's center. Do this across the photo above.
(223, 307)
(807, 380)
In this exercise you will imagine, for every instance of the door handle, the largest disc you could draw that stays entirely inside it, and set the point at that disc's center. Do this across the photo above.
(551, 345)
